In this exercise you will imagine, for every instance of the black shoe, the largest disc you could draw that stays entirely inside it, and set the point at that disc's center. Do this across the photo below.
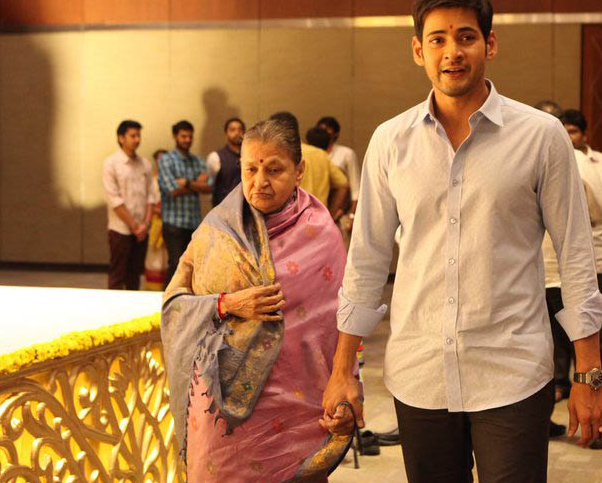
(596, 444)
(556, 429)
(369, 445)
(390, 438)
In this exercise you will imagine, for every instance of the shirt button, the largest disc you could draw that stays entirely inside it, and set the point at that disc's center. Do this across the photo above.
(453, 221)
(455, 182)
(451, 300)
(452, 261)
(448, 341)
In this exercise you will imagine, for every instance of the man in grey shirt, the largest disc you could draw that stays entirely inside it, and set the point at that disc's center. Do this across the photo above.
(473, 179)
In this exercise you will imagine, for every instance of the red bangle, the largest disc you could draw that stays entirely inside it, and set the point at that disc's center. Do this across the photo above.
(220, 314)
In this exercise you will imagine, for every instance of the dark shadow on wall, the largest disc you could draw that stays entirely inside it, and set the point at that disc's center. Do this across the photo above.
(217, 111)
(41, 215)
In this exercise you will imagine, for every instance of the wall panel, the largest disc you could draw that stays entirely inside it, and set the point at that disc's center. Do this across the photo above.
(40, 148)
(196, 10)
(119, 83)
(307, 72)
(308, 8)
(15, 13)
(125, 12)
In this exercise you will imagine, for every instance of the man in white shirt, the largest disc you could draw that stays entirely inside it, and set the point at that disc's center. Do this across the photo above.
(474, 179)
(127, 181)
(589, 163)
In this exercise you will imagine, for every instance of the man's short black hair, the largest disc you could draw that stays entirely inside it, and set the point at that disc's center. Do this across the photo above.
(331, 122)
(234, 119)
(574, 117)
(316, 136)
(127, 124)
(287, 118)
(181, 126)
(482, 9)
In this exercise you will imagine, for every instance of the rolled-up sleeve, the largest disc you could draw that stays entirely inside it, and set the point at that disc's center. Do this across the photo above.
(371, 248)
(357, 319)
(565, 215)
(111, 187)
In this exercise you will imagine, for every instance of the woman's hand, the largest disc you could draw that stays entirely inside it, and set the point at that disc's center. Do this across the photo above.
(341, 423)
(255, 303)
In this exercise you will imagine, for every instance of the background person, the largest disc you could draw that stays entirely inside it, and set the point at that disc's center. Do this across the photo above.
(224, 165)
(182, 176)
(322, 178)
(155, 264)
(127, 182)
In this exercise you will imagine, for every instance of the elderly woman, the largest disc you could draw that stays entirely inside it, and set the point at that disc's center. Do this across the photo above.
(249, 327)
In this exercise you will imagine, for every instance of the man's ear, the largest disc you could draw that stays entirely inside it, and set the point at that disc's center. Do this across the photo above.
(417, 51)
(491, 46)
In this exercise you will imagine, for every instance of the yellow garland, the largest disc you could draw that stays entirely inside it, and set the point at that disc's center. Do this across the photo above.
(76, 342)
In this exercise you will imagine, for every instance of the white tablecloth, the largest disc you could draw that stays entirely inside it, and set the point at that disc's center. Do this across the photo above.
(32, 315)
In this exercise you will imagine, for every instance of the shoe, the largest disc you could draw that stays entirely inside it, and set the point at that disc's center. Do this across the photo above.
(369, 446)
(597, 444)
(556, 429)
(390, 438)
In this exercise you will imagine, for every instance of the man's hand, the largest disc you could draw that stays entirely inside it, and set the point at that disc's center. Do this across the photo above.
(141, 231)
(585, 410)
(181, 182)
(341, 388)
(202, 178)
(257, 303)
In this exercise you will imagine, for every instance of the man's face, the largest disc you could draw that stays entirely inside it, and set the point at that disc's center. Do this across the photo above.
(578, 137)
(234, 133)
(453, 51)
(129, 141)
(183, 140)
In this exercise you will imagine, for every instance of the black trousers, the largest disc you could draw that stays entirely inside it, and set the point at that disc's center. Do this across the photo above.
(176, 240)
(510, 443)
(127, 261)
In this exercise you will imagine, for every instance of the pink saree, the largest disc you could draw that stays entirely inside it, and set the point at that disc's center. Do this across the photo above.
(282, 431)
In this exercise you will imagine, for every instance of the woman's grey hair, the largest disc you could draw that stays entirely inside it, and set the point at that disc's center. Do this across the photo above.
(284, 135)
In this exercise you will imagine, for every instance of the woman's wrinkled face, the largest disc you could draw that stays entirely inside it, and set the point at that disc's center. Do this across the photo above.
(269, 175)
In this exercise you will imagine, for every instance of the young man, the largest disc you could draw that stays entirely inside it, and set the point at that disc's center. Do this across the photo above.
(224, 165)
(343, 157)
(127, 181)
(473, 179)
(182, 176)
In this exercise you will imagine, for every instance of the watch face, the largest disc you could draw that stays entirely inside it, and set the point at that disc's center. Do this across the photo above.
(597, 380)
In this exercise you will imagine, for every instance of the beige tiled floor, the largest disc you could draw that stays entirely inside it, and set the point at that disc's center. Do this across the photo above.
(568, 463)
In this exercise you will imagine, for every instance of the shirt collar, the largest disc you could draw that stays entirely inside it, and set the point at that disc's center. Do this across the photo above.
(124, 158)
(491, 108)
(177, 152)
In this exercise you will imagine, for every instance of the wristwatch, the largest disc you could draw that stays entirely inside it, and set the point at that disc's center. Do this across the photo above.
(592, 377)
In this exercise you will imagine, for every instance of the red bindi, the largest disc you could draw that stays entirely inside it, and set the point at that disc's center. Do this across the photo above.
(261, 160)
(451, 27)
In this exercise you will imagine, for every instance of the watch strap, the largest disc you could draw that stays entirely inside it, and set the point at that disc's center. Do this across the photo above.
(581, 377)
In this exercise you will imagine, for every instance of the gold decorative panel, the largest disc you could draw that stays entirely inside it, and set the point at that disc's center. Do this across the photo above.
(101, 416)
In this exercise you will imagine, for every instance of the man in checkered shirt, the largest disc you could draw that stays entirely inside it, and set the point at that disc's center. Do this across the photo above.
(182, 176)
